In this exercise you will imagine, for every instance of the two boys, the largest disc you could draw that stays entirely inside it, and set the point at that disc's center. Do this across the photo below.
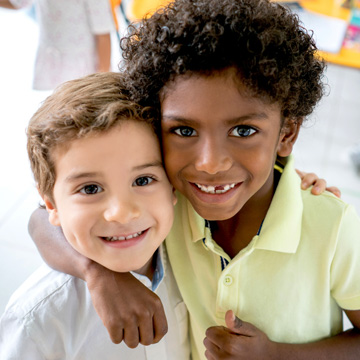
(233, 81)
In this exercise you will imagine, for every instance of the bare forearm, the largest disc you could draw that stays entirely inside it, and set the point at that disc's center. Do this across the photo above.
(345, 346)
(103, 44)
(7, 4)
(54, 248)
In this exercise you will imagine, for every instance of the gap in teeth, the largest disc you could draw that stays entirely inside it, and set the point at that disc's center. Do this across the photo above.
(117, 238)
(211, 189)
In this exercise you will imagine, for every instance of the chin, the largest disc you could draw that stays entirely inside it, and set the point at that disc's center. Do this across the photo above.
(216, 215)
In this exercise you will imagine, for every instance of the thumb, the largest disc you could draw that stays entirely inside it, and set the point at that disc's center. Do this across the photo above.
(238, 326)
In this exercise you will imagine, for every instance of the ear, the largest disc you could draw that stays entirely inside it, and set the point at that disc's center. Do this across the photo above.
(51, 209)
(288, 136)
(174, 196)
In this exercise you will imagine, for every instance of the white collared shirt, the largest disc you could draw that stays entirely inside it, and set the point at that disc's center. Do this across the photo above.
(51, 316)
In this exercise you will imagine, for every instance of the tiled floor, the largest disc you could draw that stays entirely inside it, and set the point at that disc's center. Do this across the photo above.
(323, 145)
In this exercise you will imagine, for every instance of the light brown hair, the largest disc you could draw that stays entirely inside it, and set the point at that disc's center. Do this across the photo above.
(77, 108)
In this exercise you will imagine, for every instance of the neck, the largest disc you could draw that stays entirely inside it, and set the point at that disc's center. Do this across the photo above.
(235, 234)
(148, 269)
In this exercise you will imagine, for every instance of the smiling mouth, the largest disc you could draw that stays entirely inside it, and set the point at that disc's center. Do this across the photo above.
(217, 189)
(123, 238)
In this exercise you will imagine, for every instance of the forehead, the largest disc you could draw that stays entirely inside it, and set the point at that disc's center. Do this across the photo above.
(220, 95)
(124, 136)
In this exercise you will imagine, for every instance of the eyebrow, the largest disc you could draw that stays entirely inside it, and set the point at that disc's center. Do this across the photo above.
(251, 116)
(81, 175)
(86, 175)
(156, 163)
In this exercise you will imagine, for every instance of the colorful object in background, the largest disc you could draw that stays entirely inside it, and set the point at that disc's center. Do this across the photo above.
(352, 37)
(140, 8)
(114, 4)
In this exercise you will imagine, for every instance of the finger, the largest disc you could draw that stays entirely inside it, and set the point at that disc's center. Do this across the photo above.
(319, 187)
(160, 323)
(334, 190)
(116, 335)
(146, 331)
(221, 342)
(300, 173)
(209, 356)
(212, 350)
(238, 326)
(308, 179)
(131, 336)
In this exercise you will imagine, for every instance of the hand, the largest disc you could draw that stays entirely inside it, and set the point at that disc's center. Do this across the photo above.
(319, 185)
(127, 308)
(239, 340)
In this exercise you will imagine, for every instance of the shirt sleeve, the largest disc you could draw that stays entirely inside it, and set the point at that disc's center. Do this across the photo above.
(100, 16)
(345, 268)
(15, 342)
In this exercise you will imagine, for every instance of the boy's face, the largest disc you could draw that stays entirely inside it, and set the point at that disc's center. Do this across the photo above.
(215, 139)
(112, 197)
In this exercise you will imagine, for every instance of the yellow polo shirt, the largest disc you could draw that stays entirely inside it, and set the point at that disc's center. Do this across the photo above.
(291, 281)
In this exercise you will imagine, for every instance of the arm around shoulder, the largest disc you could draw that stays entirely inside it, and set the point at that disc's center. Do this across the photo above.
(129, 310)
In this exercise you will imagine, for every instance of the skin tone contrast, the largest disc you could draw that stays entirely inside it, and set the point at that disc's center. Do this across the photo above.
(112, 197)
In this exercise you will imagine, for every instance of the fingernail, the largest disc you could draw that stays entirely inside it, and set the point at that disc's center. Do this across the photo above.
(238, 322)
(316, 189)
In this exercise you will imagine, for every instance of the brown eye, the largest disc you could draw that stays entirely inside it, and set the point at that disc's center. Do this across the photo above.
(91, 189)
(185, 131)
(243, 131)
(143, 181)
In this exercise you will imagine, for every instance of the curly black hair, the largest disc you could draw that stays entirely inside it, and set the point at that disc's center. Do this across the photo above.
(275, 57)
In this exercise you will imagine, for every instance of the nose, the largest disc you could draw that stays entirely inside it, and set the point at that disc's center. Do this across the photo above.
(122, 209)
(212, 157)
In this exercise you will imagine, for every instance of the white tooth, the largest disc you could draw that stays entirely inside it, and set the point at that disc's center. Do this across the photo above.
(211, 189)
(121, 237)
(129, 237)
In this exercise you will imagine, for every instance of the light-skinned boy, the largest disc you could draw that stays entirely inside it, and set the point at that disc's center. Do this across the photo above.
(97, 163)
(233, 81)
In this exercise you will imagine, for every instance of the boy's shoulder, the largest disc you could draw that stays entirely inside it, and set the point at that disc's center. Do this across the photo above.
(53, 306)
(44, 287)
(289, 187)
(327, 201)
(294, 212)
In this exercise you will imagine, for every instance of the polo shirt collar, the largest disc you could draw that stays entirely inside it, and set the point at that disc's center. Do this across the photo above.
(159, 271)
(281, 229)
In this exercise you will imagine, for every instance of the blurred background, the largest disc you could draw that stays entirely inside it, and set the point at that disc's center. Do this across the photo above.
(324, 145)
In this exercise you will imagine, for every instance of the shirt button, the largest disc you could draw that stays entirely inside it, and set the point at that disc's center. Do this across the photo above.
(228, 280)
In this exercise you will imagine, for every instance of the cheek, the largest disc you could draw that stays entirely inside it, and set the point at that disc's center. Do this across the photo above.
(172, 161)
(76, 219)
(259, 162)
